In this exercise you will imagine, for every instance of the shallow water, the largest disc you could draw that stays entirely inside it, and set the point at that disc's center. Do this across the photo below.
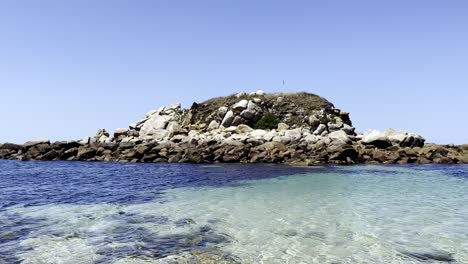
(73, 212)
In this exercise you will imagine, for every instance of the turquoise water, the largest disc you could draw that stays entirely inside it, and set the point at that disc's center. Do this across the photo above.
(246, 213)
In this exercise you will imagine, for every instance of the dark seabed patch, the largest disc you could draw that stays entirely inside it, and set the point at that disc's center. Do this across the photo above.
(231, 213)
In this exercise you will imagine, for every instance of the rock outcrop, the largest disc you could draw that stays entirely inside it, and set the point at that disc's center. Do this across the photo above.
(306, 129)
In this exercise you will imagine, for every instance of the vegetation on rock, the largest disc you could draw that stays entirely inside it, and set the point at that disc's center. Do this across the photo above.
(268, 121)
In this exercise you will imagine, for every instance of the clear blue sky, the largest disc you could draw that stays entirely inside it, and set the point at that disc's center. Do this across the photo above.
(68, 68)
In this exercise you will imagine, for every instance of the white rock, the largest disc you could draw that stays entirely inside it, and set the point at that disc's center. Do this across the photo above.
(312, 139)
(193, 133)
(339, 135)
(241, 105)
(270, 135)
(258, 133)
(158, 134)
(155, 124)
(253, 107)
(172, 108)
(241, 94)
(174, 128)
(395, 136)
(259, 93)
(283, 126)
(282, 139)
(213, 125)
(242, 129)
(232, 142)
(103, 139)
(374, 135)
(230, 129)
(293, 134)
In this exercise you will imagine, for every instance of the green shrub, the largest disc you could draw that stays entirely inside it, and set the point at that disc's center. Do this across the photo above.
(268, 121)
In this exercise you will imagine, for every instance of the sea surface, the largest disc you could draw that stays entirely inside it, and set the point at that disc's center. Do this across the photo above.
(83, 212)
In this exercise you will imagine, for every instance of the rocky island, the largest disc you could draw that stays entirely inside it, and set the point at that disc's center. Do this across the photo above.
(294, 128)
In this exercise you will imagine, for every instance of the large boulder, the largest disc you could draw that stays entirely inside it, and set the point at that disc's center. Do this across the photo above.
(241, 105)
(174, 128)
(376, 138)
(32, 143)
(154, 124)
(391, 137)
(293, 134)
(340, 137)
(228, 118)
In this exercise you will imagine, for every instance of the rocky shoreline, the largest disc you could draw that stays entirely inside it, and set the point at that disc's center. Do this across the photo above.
(296, 128)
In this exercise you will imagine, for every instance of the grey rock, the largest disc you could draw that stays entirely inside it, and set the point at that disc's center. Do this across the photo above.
(222, 111)
(320, 129)
(213, 125)
(228, 118)
(248, 114)
(36, 142)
